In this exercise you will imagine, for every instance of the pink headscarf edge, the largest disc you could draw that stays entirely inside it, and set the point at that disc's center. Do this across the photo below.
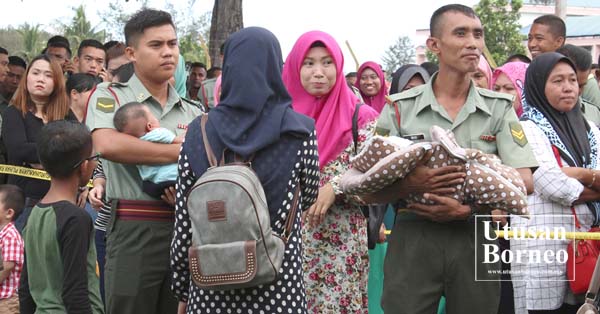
(515, 71)
(487, 70)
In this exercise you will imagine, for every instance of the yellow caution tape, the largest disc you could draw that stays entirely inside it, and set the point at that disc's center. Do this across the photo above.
(550, 235)
(28, 172)
(543, 235)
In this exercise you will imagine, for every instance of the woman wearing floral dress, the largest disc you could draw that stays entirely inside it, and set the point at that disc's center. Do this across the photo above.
(336, 262)
(254, 117)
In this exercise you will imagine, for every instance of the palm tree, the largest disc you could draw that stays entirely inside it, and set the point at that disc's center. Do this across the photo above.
(81, 28)
(31, 40)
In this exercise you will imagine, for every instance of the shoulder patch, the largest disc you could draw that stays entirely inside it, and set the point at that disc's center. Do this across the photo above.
(518, 135)
(105, 104)
(492, 94)
(413, 92)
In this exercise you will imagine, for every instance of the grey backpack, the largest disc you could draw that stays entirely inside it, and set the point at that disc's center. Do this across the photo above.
(233, 245)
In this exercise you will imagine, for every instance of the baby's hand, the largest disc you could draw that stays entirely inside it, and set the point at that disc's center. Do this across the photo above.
(179, 139)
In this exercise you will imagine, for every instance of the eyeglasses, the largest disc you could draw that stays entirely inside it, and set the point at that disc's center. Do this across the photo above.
(95, 157)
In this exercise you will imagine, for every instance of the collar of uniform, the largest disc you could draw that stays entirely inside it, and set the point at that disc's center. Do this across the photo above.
(142, 94)
(473, 101)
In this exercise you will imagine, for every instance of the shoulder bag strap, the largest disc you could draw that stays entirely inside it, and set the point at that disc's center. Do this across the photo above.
(212, 160)
(289, 221)
(355, 127)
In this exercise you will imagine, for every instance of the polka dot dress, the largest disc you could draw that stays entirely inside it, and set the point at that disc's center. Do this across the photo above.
(285, 295)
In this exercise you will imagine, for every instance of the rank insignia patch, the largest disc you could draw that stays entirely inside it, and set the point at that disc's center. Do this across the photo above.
(105, 104)
(518, 135)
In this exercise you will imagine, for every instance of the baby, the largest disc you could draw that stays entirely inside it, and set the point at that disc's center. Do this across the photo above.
(137, 120)
(489, 184)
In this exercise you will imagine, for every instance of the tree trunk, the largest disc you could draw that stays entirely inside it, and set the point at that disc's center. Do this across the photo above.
(227, 18)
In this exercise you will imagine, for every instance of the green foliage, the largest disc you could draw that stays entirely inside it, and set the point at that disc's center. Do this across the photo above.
(33, 43)
(11, 40)
(192, 32)
(398, 54)
(501, 27)
(80, 28)
(431, 57)
(114, 18)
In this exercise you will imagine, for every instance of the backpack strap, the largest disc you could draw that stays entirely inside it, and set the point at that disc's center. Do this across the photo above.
(355, 127)
(212, 160)
(289, 221)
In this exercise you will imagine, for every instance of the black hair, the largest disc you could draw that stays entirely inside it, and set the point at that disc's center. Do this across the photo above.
(18, 61)
(143, 19)
(58, 42)
(222, 49)
(430, 67)
(109, 44)
(124, 72)
(351, 74)
(128, 112)
(211, 73)
(58, 39)
(197, 65)
(13, 197)
(62, 144)
(317, 44)
(520, 57)
(3, 51)
(580, 56)
(90, 43)
(81, 82)
(436, 18)
(556, 24)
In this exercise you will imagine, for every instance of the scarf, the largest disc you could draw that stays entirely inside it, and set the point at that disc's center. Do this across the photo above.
(515, 71)
(484, 67)
(404, 74)
(377, 101)
(332, 112)
(255, 107)
(567, 131)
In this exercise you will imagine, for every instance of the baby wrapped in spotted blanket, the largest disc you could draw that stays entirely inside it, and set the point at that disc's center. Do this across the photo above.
(488, 185)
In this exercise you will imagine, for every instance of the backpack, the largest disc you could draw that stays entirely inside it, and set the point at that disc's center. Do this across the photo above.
(233, 245)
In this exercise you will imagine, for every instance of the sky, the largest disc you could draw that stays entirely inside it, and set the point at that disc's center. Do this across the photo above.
(370, 26)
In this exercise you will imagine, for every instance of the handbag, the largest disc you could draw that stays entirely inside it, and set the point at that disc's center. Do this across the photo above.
(582, 254)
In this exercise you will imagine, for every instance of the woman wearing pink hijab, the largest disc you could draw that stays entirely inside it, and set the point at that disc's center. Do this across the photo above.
(483, 76)
(371, 84)
(335, 240)
(510, 79)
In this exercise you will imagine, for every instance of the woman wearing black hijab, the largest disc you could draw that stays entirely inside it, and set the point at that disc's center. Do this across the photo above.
(560, 137)
(254, 117)
(407, 77)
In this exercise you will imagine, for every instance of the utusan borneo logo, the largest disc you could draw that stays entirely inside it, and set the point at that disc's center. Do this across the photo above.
(534, 248)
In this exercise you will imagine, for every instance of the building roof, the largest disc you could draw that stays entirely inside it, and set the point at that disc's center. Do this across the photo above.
(572, 3)
(577, 26)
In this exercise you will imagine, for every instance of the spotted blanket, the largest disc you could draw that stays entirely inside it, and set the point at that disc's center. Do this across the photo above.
(488, 185)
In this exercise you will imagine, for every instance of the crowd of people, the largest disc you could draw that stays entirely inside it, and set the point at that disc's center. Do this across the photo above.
(145, 127)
